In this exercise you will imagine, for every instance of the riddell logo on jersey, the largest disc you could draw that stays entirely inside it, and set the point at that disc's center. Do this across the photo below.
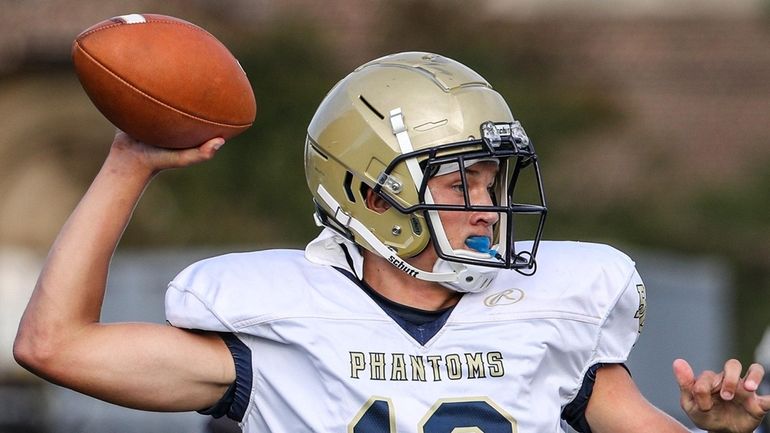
(400, 265)
(506, 297)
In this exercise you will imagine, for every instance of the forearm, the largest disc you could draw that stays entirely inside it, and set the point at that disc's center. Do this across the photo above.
(616, 405)
(70, 289)
(146, 366)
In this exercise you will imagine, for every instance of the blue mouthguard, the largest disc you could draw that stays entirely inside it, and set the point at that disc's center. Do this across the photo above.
(480, 244)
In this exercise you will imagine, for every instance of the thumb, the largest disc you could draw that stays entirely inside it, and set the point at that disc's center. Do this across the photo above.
(204, 152)
(684, 375)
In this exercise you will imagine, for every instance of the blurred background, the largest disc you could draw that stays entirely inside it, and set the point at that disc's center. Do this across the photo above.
(650, 117)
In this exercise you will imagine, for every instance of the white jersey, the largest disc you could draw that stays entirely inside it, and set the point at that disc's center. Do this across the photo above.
(326, 358)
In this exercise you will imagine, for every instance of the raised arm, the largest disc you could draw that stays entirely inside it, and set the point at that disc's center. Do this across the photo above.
(617, 406)
(144, 366)
(721, 402)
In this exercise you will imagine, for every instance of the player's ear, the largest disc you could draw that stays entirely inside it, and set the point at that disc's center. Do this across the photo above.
(375, 202)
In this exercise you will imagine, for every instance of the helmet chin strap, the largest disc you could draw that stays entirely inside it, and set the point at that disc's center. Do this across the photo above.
(468, 278)
(456, 276)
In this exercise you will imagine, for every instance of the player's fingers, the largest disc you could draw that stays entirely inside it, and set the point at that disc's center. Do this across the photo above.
(753, 377)
(211, 147)
(764, 402)
(683, 374)
(685, 378)
(204, 152)
(732, 375)
(704, 388)
(122, 139)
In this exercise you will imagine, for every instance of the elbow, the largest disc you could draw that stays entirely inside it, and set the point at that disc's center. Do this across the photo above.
(34, 354)
(22, 354)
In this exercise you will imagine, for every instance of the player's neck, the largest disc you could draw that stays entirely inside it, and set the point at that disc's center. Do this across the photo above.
(399, 287)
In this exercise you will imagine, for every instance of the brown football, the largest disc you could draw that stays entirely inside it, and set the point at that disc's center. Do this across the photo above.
(163, 80)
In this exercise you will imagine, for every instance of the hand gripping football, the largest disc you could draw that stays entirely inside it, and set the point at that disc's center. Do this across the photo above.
(163, 80)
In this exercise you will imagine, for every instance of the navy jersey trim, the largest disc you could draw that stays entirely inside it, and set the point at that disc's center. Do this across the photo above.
(236, 399)
(575, 412)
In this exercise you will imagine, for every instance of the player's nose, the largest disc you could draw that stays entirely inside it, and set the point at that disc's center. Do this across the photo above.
(484, 217)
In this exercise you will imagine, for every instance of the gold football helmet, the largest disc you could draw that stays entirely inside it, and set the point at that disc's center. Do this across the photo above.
(390, 126)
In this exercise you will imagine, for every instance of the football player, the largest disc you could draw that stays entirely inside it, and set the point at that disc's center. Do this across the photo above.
(417, 308)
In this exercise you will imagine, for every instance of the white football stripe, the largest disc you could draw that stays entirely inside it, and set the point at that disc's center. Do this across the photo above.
(131, 19)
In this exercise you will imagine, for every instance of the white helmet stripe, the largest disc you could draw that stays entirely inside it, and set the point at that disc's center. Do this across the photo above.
(405, 144)
(399, 130)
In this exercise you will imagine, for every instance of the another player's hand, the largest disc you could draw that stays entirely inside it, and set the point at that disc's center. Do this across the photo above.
(722, 402)
(136, 154)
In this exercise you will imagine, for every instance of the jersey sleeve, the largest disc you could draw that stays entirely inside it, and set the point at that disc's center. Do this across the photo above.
(618, 333)
(623, 323)
(235, 401)
(192, 298)
(223, 293)
(240, 292)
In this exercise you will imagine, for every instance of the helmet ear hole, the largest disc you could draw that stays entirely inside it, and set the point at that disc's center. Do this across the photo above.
(364, 189)
(346, 184)
(373, 200)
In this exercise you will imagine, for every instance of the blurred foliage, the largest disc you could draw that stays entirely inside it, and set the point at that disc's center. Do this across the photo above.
(721, 220)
